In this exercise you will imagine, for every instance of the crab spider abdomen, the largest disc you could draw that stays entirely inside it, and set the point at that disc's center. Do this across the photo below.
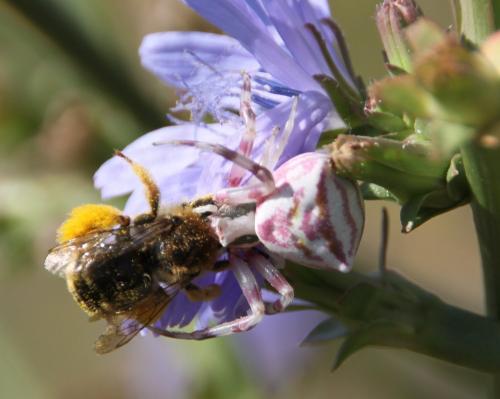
(314, 217)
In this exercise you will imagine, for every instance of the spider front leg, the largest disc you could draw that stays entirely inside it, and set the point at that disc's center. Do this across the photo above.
(248, 137)
(275, 280)
(250, 290)
(236, 195)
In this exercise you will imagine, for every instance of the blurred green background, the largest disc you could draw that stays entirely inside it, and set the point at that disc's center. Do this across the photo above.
(63, 108)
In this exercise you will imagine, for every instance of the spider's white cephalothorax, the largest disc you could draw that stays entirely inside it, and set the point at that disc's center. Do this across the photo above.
(302, 211)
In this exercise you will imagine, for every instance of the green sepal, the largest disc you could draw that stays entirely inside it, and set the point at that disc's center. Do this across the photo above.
(328, 330)
(463, 82)
(419, 209)
(405, 168)
(394, 70)
(457, 185)
(391, 18)
(386, 122)
(371, 191)
(423, 35)
(403, 96)
(350, 110)
(491, 50)
(448, 137)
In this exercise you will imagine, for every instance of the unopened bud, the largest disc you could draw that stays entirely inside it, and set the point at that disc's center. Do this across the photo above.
(406, 168)
(463, 82)
(392, 17)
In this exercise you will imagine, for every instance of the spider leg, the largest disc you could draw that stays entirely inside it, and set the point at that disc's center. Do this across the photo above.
(274, 149)
(276, 280)
(250, 290)
(236, 195)
(246, 144)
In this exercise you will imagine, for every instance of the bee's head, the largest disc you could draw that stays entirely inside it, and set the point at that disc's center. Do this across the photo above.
(90, 218)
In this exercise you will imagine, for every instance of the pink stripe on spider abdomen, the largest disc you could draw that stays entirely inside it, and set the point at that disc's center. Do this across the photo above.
(324, 214)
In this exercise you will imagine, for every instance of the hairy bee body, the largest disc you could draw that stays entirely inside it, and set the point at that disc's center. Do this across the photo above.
(129, 273)
(130, 264)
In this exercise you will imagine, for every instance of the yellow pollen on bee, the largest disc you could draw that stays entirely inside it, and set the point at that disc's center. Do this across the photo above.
(87, 218)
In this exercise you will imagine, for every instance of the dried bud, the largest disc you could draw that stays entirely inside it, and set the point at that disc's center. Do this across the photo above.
(314, 217)
(392, 17)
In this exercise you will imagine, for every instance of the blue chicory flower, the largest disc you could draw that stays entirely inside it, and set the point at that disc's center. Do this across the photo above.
(272, 44)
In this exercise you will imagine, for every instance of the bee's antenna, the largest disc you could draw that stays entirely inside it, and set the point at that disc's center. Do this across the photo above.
(152, 190)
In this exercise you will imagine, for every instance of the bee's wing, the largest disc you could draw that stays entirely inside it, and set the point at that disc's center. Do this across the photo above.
(123, 327)
(66, 256)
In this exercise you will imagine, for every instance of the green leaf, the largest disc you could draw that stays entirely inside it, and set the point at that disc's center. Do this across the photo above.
(328, 330)
(381, 332)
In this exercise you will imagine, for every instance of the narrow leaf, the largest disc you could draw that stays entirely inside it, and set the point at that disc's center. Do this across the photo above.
(328, 330)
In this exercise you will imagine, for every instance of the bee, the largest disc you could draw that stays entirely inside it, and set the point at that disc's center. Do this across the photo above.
(126, 271)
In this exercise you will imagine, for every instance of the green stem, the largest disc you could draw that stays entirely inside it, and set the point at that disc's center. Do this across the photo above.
(482, 168)
(475, 18)
(496, 14)
(104, 68)
(460, 337)
(429, 326)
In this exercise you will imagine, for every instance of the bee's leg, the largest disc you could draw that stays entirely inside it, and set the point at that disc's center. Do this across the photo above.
(251, 291)
(221, 265)
(247, 139)
(151, 189)
(197, 294)
(276, 280)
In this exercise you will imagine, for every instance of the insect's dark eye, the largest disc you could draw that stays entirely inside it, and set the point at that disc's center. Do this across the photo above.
(146, 280)
(176, 220)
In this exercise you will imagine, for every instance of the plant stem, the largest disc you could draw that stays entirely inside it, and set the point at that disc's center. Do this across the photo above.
(105, 68)
(482, 167)
(475, 18)
(478, 19)
(430, 326)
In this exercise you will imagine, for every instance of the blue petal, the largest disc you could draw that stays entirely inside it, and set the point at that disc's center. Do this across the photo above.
(115, 177)
(311, 116)
(289, 17)
(271, 350)
(238, 19)
(181, 311)
(184, 59)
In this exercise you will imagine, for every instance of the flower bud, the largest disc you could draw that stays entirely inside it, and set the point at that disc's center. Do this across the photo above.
(314, 217)
(464, 84)
(392, 17)
(405, 167)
